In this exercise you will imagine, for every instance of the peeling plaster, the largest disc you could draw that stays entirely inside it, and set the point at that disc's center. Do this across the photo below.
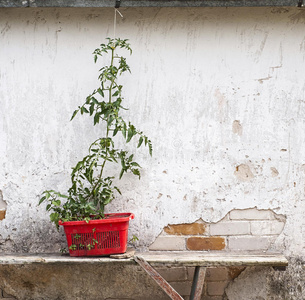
(237, 127)
(3, 204)
(243, 173)
(240, 229)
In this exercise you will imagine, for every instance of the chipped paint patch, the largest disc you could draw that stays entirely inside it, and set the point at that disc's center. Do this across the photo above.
(274, 172)
(243, 173)
(3, 206)
(237, 128)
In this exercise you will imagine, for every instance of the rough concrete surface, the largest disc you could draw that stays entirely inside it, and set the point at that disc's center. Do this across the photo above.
(264, 284)
(63, 282)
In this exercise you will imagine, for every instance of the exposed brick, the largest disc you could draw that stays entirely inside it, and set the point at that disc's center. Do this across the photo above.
(119, 298)
(234, 272)
(186, 229)
(168, 243)
(183, 288)
(2, 214)
(212, 274)
(230, 228)
(216, 288)
(249, 243)
(274, 227)
(206, 243)
(217, 274)
(251, 214)
(190, 273)
(211, 298)
(173, 274)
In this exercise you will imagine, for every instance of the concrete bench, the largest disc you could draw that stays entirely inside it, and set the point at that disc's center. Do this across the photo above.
(148, 260)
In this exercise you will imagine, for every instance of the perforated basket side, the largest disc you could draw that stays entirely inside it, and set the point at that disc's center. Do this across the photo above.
(96, 239)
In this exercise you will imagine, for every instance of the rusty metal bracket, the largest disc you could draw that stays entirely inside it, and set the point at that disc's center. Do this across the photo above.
(197, 285)
(166, 287)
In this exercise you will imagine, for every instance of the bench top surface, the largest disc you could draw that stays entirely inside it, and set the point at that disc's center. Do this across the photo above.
(214, 258)
(162, 258)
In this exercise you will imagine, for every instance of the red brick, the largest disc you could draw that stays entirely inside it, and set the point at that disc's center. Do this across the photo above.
(2, 214)
(216, 288)
(234, 272)
(185, 229)
(217, 274)
(206, 243)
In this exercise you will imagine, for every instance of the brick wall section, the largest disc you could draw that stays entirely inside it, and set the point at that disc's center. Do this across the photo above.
(216, 281)
(248, 229)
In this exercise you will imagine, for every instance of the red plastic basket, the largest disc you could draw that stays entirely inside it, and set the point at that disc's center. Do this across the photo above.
(98, 237)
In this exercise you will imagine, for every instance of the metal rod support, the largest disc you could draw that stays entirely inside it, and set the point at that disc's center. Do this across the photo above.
(198, 281)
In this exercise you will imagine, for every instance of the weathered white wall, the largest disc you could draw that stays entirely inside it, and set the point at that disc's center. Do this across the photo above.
(219, 91)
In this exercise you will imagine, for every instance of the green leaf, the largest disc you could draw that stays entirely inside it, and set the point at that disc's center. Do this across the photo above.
(83, 109)
(62, 196)
(91, 109)
(117, 189)
(74, 114)
(140, 142)
(150, 147)
(136, 172)
(121, 173)
(115, 131)
(78, 166)
(96, 118)
(100, 91)
(72, 247)
(42, 199)
(54, 217)
(124, 129)
(56, 202)
(94, 101)
(129, 135)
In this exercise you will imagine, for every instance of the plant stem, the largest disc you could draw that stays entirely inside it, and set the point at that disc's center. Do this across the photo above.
(107, 129)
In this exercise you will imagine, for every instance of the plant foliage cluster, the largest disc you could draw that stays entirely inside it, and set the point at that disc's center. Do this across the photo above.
(91, 189)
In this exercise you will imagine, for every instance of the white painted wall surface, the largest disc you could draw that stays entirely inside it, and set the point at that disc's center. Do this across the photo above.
(213, 88)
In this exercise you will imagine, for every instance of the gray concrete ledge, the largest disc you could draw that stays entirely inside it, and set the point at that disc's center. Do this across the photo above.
(158, 258)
